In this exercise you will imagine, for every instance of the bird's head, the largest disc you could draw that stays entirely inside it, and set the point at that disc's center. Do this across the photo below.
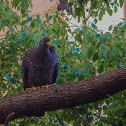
(45, 42)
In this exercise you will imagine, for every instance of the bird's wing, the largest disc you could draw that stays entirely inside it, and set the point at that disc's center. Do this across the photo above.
(56, 72)
(24, 75)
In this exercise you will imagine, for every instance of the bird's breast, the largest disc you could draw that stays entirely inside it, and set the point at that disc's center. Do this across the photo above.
(41, 75)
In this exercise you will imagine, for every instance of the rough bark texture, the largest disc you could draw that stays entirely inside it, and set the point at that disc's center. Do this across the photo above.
(35, 103)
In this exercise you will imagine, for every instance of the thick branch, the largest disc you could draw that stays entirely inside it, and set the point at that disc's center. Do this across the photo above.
(35, 103)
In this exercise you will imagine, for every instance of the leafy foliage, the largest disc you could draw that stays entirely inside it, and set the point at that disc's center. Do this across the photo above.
(83, 52)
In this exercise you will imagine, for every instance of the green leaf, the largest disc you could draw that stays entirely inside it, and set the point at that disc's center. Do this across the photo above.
(33, 23)
(95, 21)
(46, 15)
(29, 18)
(84, 72)
(78, 37)
(101, 15)
(55, 41)
(115, 9)
(93, 25)
(95, 57)
(77, 11)
(50, 17)
(77, 72)
(110, 27)
(90, 52)
(13, 81)
(97, 36)
(35, 42)
(112, 4)
(100, 69)
(107, 61)
(38, 18)
(109, 11)
(23, 22)
(76, 49)
(121, 3)
(64, 65)
(23, 35)
(57, 12)
(115, 1)
(8, 77)
(100, 54)
(106, 53)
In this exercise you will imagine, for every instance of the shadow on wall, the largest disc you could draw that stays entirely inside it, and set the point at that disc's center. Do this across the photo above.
(38, 7)
(124, 8)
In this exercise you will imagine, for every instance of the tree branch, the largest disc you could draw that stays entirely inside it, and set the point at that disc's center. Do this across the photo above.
(80, 117)
(35, 103)
(61, 122)
(9, 117)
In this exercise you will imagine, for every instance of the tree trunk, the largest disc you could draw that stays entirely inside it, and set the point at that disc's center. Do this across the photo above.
(35, 103)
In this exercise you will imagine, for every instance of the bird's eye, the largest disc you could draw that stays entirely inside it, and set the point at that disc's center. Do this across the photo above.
(42, 41)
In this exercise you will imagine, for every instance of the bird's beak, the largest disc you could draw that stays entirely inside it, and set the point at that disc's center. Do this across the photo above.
(48, 43)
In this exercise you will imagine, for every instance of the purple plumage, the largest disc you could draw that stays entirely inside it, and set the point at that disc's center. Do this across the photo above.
(40, 65)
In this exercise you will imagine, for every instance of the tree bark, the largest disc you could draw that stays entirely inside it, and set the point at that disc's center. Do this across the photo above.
(35, 103)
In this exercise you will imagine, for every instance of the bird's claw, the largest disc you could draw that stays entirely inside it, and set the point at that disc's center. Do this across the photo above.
(32, 89)
(38, 87)
(53, 84)
(46, 86)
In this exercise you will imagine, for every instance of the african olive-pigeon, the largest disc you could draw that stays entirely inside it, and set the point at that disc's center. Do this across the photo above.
(40, 65)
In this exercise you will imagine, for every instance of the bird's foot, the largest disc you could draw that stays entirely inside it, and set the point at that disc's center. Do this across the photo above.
(53, 84)
(32, 89)
(37, 88)
(46, 86)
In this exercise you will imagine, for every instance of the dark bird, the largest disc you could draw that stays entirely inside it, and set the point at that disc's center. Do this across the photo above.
(40, 65)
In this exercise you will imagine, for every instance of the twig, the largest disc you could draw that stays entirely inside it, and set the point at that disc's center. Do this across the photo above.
(109, 96)
(87, 17)
(2, 38)
(61, 122)
(72, 23)
(7, 62)
(2, 34)
(80, 117)
(8, 118)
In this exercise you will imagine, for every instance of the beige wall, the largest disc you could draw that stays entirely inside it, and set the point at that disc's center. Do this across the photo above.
(42, 6)
(39, 7)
